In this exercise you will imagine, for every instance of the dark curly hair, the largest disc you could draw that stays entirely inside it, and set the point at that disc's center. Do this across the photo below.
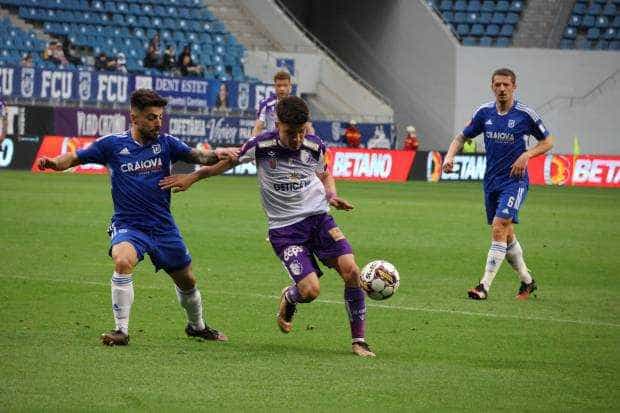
(293, 111)
(143, 98)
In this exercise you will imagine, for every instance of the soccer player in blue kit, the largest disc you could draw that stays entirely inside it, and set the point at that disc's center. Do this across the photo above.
(142, 223)
(297, 191)
(506, 124)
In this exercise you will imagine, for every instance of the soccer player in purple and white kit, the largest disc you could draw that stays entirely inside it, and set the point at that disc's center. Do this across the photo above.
(142, 223)
(506, 124)
(296, 191)
(266, 116)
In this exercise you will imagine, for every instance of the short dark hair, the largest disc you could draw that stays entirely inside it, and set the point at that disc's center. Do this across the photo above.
(505, 72)
(143, 98)
(281, 75)
(293, 111)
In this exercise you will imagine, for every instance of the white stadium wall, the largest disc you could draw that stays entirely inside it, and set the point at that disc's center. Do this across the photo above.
(546, 81)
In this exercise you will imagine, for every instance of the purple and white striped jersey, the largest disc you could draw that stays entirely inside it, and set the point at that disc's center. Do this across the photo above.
(267, 112)
(289, 185)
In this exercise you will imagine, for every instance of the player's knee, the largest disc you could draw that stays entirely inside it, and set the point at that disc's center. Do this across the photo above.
(309, 292)
(501, 228)
(123, 264)
(351, 275)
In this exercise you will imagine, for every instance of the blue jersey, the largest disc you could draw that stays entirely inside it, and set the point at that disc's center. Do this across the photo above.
(135, 171)
(505, 139)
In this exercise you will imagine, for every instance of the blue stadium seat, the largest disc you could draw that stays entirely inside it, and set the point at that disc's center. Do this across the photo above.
(566, 44)
(615, 45)
(595, 9)
(472, 18)
(512, 18)
(574, 20)
(460, 5)
(498, 18)
(486, 41)
(610, 10)
(476, 30)
(616, 22)
(459, 18)
(579, 8)
(462, 30)
(570, 33)
(469, 41)
(448, 17)
(492, 30)
(602, 22)
(593, 33)
(609, 34)
(502, 5)
(445, 5)
(474, 6)
(516, 6)
(583, 44)
(502, 42)
(488, 6)
(485, 18)
(588, 21)
(507, 30)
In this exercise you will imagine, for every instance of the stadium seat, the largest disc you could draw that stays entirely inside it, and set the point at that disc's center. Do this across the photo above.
(512, 18)
(593, 33)
(615, 45)
(492, 30)
(503, 42)
(609, 34)
(469, 41)
(486, 41)
(566, 44)
(602, 45)
(445, 5)
(616, 22)
(507, 30)
(448, 17)
(502, 6)
(516, 7)
(583, 44)
(460, 17)
(595, 9)
(472, 18)
(570, 33)
(602, 22)
(462, 30)
(488, 6)
(474, 6)
(460, 5)
(476, 30)
(588, 21)
(498, 18)
(485, 18)
(574, 20)
(580, 8)
(609, 10)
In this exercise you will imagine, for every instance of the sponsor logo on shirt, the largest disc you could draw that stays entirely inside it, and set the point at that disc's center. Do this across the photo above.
(143, 166)
(488, 122)
(291, 186)
(124, 151)
(511, 123)
(501, 137)
(156, 148)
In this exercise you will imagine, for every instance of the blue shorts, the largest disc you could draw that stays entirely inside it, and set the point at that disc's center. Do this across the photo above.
(505, 202)
(167, 251)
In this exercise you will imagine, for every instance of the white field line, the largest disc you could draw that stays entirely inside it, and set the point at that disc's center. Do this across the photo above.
(369, 304)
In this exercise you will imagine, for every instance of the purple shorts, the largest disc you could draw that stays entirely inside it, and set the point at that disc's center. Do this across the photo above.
(297, 245)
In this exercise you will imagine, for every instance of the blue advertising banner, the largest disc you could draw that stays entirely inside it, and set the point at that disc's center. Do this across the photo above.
(116, 88)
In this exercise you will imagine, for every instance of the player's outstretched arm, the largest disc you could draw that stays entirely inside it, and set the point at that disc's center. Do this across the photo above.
(520, 166)
(59, 163)
(455, 147)
(182, 182)
(330, 192)
(259, 125)
(211, 157)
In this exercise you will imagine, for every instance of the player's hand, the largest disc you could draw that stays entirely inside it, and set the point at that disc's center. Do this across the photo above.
(448, 164)
(226, 154)
(340, 203)
(520, 166)
(46, 163)
(178, 183)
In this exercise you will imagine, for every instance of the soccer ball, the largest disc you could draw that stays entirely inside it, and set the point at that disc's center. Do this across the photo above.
(380, 279)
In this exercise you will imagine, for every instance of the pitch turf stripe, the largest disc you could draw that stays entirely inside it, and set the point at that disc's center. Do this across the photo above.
(368, 303)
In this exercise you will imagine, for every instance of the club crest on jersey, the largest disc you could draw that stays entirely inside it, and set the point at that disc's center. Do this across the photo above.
(273, 160)
(156, 148)
(511, 123)
(304, 156)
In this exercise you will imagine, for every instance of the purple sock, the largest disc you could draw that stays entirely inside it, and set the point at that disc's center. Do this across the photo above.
(355, 301)
(292, 295)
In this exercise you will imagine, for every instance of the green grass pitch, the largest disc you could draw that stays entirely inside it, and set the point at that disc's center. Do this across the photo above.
(435, 348)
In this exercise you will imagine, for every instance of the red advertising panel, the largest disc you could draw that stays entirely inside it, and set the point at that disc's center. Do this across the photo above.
(369, 165)
(582, 170)
(53, 146)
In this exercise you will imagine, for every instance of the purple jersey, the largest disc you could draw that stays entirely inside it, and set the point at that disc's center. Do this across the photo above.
(289, 185)
(267, 112)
